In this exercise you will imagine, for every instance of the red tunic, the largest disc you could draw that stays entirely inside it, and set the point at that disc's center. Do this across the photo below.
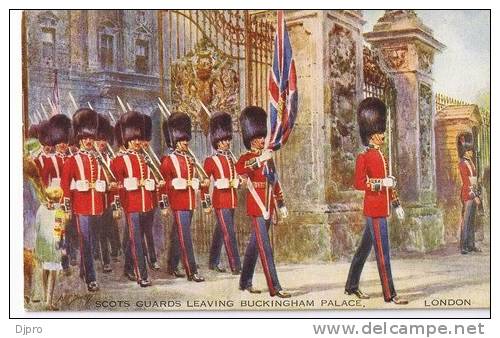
(372, 165)
(467, 169)
(89, 202)
(221, 198)
(260, 183)
(139, 200)
(179, 199)
(53, 167)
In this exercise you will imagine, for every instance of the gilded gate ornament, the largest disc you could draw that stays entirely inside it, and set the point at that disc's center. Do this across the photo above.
(205, 74)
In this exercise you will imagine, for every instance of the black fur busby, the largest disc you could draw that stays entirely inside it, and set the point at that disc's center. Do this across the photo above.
(253, 123)
(85, 124)
(179, 127)
(59, 129)
(131, 127)
(33, 131)
(372, 116)
(166, 134)
(105, 131)
(221, 128)
(118, 133)
(148, 127)
(465, 142)
(43, 133)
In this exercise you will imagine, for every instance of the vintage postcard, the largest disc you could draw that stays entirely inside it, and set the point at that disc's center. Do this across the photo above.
(255, 160)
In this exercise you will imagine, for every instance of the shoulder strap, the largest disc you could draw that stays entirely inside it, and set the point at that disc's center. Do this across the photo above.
(128, 164)
(219, 165)
(56, 166)
(471, 172)
(176, 164)
(79, 163)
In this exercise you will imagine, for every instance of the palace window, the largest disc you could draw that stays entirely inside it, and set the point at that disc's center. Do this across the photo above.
(48, 39)
(141, 56)
(106, 52)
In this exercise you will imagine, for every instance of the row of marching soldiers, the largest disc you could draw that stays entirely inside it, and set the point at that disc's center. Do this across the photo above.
(88, 185)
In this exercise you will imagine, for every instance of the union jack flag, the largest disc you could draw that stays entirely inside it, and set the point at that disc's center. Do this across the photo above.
(283, 95)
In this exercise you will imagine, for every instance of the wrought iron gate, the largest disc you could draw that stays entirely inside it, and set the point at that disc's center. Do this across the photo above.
(221, 58)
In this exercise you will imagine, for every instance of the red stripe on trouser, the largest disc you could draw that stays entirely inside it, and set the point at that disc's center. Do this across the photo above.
(383, 271)
(82, 260)
(227, 241)
(183, 246)
(132, 247)
(263, 257)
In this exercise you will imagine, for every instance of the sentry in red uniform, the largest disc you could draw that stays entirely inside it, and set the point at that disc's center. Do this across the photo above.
(469, 194)
(183, 199)
(371, 176)
(221, 198)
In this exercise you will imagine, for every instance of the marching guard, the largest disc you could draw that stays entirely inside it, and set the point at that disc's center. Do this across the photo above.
(470, 192)
(86, 200)
(179, 172)
(138, 188)
(221, 166)
(261, 197)
(371, 176)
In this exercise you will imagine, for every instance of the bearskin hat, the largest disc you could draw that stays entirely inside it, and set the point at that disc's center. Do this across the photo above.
(465, 142)
(118, 133)
(105, 131)
(33, 131)
(148, 127)
(372, 115)
(59, 129)
(85, 124)
(221, 128)
(253, 123)
(179, 127)
(43, 133)
(131, 127)
(166, 134)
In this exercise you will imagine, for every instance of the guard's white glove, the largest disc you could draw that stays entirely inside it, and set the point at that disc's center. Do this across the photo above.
(400, 213)
(389, 182)
(283, 212)
(267, 154)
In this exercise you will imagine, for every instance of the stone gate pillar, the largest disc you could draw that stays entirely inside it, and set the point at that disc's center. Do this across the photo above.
(408, 47)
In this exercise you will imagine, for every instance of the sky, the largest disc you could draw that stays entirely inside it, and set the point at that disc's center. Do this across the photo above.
(462, 70)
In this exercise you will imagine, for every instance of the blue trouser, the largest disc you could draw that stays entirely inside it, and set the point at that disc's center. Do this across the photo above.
(174, 252)
(467, 233)
(183, 242)
(261, 244)
(376, 234)
(224, 233)
(147, 235)
(135, 255)
(69, 243)
(84, 225)
(101, 248)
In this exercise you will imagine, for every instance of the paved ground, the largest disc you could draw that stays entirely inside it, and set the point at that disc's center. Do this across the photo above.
(443, 279)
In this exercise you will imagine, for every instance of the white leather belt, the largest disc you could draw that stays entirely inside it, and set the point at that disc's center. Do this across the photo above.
(133, 183)
(85, 185)
(225, 183)
(183, 184)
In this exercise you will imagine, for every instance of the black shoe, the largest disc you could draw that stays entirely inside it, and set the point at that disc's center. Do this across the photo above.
(107, 268)
(67, 272)
(399, 301)
(155, 266)
(92, 286)
(73, 262)
(251, 289)
(475, 249)
(358, 293)
(236, 272)
(218, 269)
(196, 278)
(177, 273)
(464, 252)
(130, 276)
(115, 259)
(144, 283)
(282, 294)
